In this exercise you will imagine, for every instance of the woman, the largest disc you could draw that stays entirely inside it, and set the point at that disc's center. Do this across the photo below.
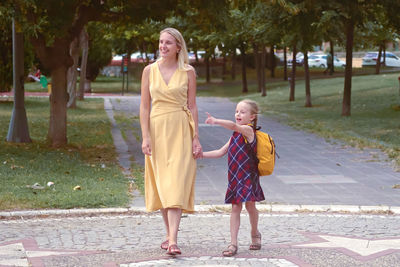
(169, 122)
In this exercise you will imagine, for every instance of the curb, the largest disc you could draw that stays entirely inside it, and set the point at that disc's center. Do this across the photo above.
(273, 208)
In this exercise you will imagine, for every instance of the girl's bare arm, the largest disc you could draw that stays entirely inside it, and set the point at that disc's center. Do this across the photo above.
(217, 153)
(246, 130)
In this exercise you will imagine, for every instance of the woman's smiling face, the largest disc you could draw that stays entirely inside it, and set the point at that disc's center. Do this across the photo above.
(167, 45)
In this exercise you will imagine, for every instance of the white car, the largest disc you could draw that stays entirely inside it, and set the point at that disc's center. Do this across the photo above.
(319, 61)
(391, 59)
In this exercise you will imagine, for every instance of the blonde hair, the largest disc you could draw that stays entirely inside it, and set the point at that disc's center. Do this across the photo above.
(182, 56)
(254, 110)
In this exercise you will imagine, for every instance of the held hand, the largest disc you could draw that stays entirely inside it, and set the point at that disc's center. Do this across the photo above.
(146, 147)
(210, 119)
(196, 148)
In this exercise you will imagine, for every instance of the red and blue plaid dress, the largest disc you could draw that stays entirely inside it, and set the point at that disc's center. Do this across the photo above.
(243, 179)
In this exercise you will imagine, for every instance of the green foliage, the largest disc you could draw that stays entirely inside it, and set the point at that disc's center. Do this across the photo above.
(89, 161)
(6, 71)
(6, 51)
(100, 50)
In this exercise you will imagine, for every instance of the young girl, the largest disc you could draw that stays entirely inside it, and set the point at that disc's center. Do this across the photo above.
(244, 184)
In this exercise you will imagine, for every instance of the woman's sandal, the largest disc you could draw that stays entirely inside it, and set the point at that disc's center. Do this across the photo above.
(173, 250)
(229, 252)
(256, 246)
(164, 245)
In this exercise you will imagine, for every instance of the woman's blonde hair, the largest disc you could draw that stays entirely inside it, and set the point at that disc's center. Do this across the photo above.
(182, 56)
(254, 110)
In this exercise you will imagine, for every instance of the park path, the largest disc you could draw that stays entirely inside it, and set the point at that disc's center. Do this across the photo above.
(310, 170)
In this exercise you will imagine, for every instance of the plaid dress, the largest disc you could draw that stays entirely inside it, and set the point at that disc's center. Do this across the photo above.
(243, 179)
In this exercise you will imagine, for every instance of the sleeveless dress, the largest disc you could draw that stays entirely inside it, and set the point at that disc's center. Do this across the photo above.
(170, 171)
(243, 179)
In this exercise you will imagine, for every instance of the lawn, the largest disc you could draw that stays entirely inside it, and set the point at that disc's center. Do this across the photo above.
(89, 161)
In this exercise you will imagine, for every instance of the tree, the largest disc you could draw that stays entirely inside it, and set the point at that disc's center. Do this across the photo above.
(100, 50)
(84, 45)
(6, 60)
(53, 25)
(5, 51)
(18, 130)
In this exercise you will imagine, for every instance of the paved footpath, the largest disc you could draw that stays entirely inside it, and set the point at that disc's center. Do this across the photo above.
(356, 218)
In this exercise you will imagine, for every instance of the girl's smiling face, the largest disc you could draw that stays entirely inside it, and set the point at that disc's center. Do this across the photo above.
(167, 45)
(243, 114)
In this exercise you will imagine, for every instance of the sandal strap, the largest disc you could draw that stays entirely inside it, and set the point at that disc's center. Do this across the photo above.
(230, 250)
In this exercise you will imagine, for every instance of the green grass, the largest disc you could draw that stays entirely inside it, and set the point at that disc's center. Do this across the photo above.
(374, 120)
(125, 124)
(88, 161)
(108, 85)
(114, 85)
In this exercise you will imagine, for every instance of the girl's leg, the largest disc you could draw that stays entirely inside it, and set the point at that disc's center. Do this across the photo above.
(255, 234)
(235, 222)
(234, 226)
(253, 216)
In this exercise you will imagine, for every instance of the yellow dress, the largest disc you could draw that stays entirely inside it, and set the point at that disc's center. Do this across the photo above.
(170, 171)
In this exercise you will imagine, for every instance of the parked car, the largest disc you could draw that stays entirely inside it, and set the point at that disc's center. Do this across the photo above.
(299, 60)
(370, 59)
(319, 61)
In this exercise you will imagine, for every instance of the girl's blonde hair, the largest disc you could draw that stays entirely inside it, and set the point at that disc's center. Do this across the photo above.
(254, 110)
(182, 56)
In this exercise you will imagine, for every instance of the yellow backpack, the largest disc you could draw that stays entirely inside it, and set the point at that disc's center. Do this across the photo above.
(265, 153)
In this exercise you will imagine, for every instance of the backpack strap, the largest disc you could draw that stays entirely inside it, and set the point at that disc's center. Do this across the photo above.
(251, 153)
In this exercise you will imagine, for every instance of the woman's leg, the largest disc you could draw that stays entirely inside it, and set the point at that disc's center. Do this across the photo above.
(235, 222)
(165, 218)
(174, 219)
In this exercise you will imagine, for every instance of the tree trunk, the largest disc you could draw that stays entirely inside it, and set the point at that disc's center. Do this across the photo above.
(272, 61)
(208, 76)
(18, 130)
(88, 85)
(262, 67)
(257, 66)
(332, 70)
(293, 76)
(224, 66)
(233, 68)
(58, 107)
(384, 55)
(285, 64)
(244, 77)
(84, 44)
(72, 74)
(307, 80)
(346, 105)
(378, 60)
(128, 54)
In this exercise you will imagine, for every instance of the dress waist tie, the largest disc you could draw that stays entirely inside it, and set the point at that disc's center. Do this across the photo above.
(159, 111)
